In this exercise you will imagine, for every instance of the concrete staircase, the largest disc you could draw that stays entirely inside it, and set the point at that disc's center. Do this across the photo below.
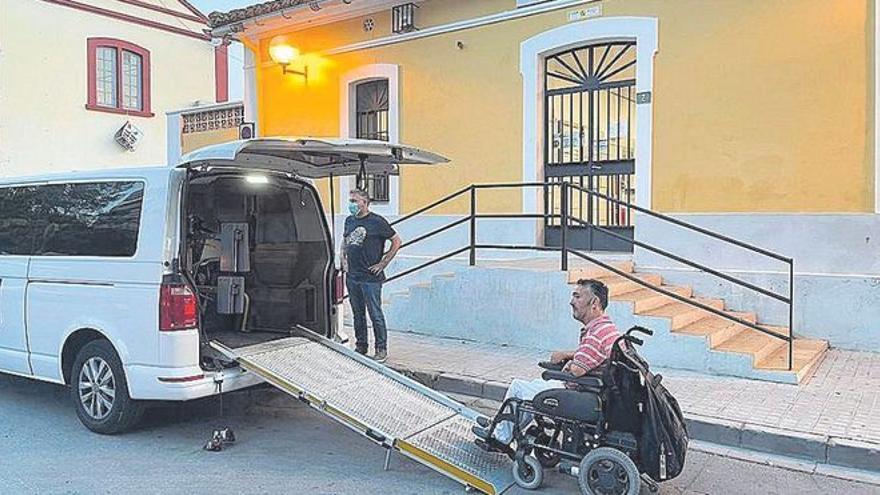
(528, 306)
(721, 335)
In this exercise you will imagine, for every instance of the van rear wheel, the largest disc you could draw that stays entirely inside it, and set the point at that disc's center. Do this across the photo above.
(100, 392)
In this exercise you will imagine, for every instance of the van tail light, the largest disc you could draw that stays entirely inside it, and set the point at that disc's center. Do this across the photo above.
(178, 309)
(339, 287)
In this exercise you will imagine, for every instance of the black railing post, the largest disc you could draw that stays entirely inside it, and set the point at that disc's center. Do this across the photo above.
(790, 315)
(591, 214)
(563, 196)
(473, 248)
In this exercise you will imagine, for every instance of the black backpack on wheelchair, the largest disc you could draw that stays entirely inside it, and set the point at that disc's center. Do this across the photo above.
(637, 402)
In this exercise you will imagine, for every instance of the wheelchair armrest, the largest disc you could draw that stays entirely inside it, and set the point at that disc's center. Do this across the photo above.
(639, 329)
(588, 381)
(549, 365)
(557, 375)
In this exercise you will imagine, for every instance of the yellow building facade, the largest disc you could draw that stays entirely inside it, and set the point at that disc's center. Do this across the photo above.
(753, 118)
(750, 98)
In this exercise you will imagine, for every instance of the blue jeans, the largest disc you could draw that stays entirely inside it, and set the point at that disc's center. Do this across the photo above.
(365, 296)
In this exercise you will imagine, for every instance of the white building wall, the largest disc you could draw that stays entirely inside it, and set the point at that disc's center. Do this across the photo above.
(44, 125)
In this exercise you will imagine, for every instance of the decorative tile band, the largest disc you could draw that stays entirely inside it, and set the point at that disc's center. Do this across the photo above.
(213, 120)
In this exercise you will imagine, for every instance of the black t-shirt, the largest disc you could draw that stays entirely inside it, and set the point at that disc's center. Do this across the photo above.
(364, 245)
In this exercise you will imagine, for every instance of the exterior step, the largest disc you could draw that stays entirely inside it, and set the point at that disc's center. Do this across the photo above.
(683, 314)
(647, 299)
(618, 285)
(807, 355)
(679, 314)
(755, 343)
(594, 271)
(716, 328)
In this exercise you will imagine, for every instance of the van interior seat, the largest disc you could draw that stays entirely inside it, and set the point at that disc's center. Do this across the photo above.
(275, 255)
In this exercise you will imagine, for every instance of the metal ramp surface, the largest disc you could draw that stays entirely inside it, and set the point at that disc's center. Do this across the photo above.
(383, 405)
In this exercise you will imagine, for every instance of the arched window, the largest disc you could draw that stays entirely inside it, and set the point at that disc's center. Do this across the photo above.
(371, 122)
(118, 77)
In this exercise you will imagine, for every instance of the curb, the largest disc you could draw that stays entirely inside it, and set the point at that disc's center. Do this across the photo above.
(819, 449)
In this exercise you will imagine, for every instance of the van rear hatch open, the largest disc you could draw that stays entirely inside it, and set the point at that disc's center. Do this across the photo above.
(257, 247)
(312, 158)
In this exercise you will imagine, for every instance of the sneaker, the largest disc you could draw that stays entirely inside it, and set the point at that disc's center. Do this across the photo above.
(480, 432)
(381, 356)
(362, 352)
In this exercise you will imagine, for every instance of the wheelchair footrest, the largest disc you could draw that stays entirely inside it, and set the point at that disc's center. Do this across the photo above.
(483, 444)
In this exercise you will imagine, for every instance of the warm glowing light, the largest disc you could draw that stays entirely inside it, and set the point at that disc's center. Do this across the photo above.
(281, 51)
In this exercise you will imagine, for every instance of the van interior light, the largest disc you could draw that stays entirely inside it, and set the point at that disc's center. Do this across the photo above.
(257, 179)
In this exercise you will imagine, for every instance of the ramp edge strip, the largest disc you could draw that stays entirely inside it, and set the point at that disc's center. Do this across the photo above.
(443, 467)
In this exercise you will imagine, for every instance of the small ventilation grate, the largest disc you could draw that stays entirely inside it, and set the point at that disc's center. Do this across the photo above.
(403, 18)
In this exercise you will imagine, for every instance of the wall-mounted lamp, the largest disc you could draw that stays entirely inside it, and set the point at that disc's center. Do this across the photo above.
(283, 53)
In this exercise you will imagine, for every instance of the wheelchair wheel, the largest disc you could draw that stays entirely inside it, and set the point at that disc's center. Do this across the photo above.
(606, 471)
(528, 473)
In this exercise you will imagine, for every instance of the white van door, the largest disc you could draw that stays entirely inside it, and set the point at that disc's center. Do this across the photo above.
(13, 336)
(15, 250)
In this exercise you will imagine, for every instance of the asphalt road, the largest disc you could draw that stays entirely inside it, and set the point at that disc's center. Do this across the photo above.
(44, 449)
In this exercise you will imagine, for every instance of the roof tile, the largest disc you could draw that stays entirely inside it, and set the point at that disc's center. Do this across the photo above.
(218, 19)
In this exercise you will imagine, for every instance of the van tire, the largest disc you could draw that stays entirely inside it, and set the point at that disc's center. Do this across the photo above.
(96, 380)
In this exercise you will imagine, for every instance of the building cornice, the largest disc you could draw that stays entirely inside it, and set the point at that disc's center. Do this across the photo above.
(451, 27)
(300, 17)
(507, 15)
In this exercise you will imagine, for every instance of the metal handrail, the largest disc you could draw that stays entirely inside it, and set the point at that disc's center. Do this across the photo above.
(436, 231)
(433, 205)
(429, 263)
(678, 297)
(565, 216)
(681, 223)
(789, 261)
(500, 185)
(685, 261)
(518, 215)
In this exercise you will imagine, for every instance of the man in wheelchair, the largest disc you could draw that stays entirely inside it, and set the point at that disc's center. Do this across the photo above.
(599, 413)
(588, 302)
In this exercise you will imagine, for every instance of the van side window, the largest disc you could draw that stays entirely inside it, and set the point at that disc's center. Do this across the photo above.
(86, 219)
(15, 216)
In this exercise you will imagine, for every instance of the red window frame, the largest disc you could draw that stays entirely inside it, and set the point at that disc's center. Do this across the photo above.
(120, 45)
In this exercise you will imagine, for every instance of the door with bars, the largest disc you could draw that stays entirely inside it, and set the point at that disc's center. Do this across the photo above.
(589, 141)
(371, 111)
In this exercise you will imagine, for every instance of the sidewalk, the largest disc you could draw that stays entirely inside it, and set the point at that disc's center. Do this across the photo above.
(833, 420)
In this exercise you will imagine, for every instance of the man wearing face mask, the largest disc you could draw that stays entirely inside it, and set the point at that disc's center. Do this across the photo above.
(364, 260)
(588, 302)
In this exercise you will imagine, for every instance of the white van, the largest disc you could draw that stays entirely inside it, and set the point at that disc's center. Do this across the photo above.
(115, 281)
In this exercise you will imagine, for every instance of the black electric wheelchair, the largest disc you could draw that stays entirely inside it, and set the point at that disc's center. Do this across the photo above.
(595, 430)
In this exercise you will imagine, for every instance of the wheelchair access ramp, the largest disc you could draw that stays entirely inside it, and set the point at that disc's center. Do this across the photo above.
(379, 403)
